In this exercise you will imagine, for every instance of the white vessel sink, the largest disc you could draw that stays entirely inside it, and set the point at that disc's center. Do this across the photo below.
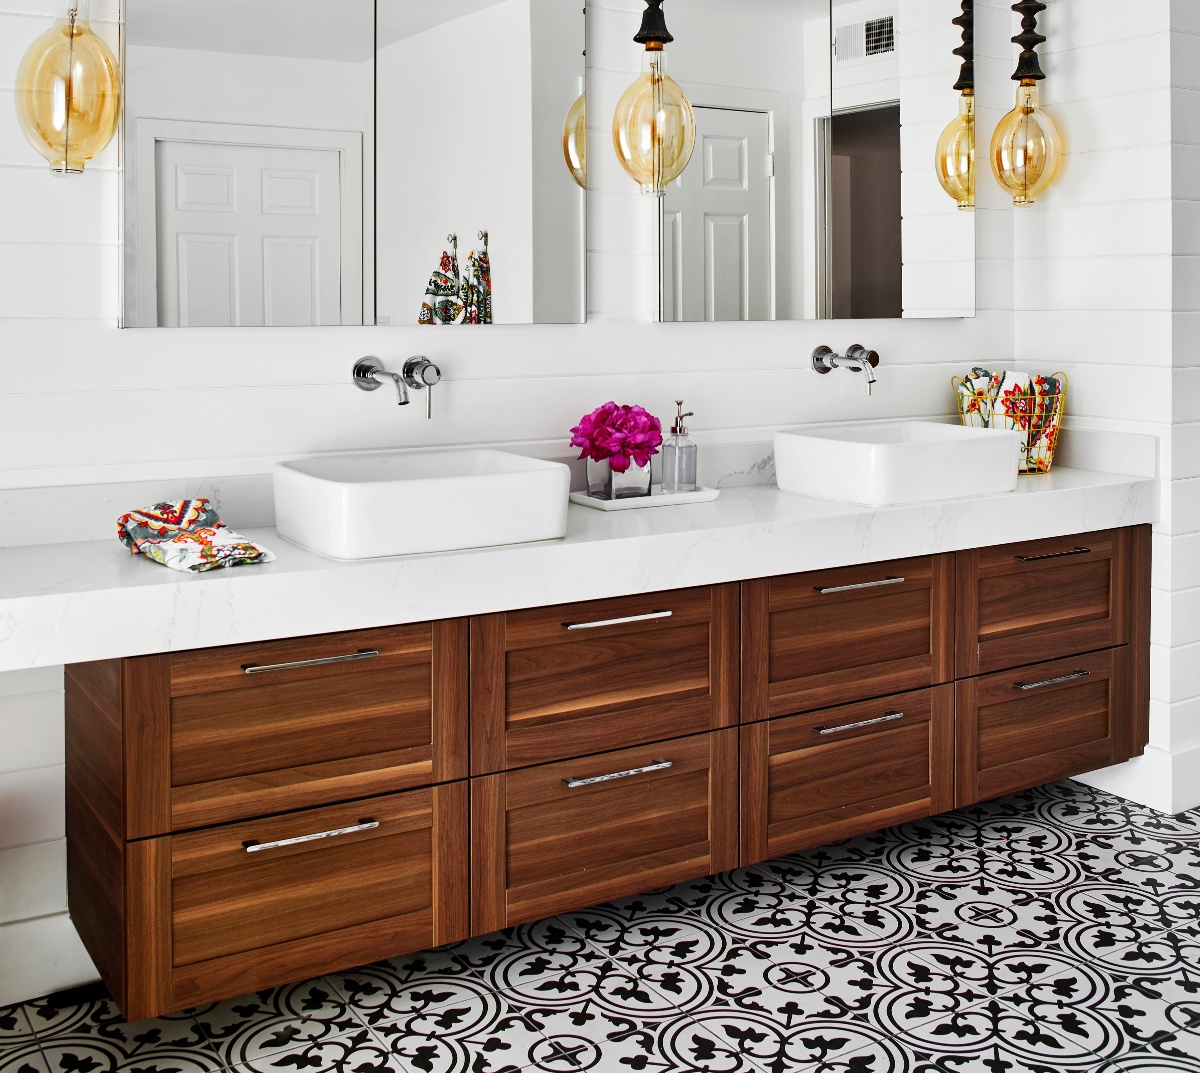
(408, 502)
(905, 462)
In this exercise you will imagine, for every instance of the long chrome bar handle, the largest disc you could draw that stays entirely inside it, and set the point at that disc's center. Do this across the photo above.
(260, 847)
(658, 765)
(862, 585)
(263, 668)
(889, 718)
(617, 621)
(1052, 555)
(1026, 686)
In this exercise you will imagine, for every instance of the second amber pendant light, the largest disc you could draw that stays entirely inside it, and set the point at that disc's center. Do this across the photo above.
(654, 128)
(1027, 147)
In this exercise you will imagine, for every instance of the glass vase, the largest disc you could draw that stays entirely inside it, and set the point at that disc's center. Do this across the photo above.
(606, 483)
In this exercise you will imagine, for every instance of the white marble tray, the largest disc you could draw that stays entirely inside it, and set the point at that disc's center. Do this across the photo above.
(656, 498)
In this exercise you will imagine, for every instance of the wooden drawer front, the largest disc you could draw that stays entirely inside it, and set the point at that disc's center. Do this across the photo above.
(548, 684)
(233, 744)
(218, 920)
(1037, 724)
(816, 778)
(1026, 603)
(831, 636)
(541, 847)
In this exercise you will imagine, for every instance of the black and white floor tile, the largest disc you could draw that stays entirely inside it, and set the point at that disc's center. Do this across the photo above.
(1053, 931)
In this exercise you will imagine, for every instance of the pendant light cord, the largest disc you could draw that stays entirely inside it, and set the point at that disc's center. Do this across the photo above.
(72, 15)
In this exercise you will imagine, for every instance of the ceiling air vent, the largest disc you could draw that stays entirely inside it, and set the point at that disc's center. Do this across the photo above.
(861, 40)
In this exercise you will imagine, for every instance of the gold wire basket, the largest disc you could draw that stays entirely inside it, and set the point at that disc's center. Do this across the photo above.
(1025, 407)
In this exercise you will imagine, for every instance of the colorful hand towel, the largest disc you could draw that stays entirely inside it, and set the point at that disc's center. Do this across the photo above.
(477, 289)
(1022, 402)
(443, 302)
(188, 535)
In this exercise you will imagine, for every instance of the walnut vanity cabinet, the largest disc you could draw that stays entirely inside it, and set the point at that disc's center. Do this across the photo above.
(252, 815)
(185, 772)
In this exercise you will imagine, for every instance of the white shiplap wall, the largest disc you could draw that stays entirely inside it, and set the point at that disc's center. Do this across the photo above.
(85, 404)
(1106, 289)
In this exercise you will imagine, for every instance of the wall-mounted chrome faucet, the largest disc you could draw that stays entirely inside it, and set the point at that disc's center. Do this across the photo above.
(857, 359)
(419, 373)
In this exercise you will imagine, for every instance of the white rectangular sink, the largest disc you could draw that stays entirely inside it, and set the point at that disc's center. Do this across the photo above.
(904, 462)
(409, 502)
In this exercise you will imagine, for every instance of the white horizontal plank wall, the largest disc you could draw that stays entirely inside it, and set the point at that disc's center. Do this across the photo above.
(109, 418)
(1099, 285)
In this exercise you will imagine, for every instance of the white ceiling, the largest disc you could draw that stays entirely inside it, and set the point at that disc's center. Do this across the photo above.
(307, 29)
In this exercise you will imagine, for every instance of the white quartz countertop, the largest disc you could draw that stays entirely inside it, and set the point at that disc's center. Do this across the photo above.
(68, 603)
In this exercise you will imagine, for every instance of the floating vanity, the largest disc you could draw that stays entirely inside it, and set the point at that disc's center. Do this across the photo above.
(277, 772)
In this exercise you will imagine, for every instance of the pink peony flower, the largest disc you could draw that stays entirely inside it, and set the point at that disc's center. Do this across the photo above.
(621, 434)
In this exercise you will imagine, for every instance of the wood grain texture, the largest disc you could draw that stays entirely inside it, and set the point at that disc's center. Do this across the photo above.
(562, 692)
(1137, 721)
(1010, 739)
(1024, 603)
(148, 937)
(799, 783)
(146, 693)
(488, 910)
(451, 862)
(562, 848)
(451, 700)
(95, 822)
(810, 648)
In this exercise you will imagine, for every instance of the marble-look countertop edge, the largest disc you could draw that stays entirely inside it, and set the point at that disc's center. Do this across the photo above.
(73, 603)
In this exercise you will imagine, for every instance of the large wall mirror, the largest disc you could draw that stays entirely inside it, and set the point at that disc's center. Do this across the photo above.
(812, 190)
(318, 162)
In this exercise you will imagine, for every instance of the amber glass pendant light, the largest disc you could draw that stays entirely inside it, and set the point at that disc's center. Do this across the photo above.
(69, 92)
(575, 140)
(1026, 147)
(654, 128)
(954, 159)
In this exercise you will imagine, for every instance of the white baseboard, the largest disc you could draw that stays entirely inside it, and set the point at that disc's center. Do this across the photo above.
(41, 956)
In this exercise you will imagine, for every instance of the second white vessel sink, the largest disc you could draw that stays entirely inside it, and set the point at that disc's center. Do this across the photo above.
(409, 502)
(904, 462)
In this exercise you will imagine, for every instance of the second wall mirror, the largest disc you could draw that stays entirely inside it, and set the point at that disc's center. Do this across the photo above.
(812, 191)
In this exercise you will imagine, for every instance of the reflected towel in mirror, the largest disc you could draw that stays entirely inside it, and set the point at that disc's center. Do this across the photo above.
(443, 302)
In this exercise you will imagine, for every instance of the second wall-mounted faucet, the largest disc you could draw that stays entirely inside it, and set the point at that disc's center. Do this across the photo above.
(419, 373)
(858, 359)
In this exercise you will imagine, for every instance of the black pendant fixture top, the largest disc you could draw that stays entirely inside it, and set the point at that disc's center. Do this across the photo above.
(966, 51)
(1029, 69)
(654, 33)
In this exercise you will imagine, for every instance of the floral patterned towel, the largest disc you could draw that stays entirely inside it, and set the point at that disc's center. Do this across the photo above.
(477, 289)
(443, 302)
(187, 535)
(1022, 402)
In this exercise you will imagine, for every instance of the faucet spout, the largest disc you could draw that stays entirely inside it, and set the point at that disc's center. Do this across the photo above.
(401, 390)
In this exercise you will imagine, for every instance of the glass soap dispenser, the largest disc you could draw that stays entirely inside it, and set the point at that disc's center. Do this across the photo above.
(679, 456)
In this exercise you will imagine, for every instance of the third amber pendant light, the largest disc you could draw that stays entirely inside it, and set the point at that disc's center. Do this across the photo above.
(954, 158)
(654, 128)
(1026, 147)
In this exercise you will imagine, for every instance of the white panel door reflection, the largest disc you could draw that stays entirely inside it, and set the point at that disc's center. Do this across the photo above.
(718, 245)
(248, 235)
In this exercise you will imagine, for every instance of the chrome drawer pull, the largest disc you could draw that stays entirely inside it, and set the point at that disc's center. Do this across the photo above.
(255, 668)
(1054, 681)
(863, 585)
(1052, 555)
(618, 621)
(890, 717)
(658, 765)
(258, 847)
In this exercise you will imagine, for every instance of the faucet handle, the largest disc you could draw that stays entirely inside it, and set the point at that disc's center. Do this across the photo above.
(421, 373)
